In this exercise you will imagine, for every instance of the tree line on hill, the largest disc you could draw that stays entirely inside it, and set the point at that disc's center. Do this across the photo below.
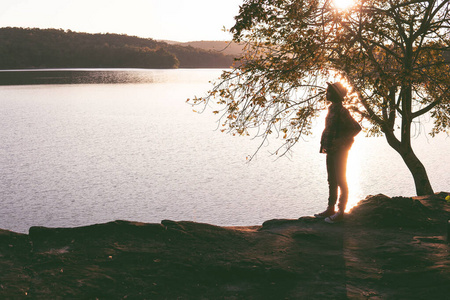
(225, 47)
(23, 48)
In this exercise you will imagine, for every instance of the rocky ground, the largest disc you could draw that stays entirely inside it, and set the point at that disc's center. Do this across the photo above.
(387, 248)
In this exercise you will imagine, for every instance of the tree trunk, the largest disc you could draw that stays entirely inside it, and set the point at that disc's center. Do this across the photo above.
(415, 166)
(417, 169)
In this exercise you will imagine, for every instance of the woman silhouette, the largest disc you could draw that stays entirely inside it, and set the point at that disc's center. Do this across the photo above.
(336, 141)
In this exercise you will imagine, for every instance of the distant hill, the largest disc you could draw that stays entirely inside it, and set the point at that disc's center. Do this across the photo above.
(170, 42)
(56, 48)
(225, 47)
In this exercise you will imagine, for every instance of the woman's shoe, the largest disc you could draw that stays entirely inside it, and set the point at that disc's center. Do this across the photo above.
(327, 213)
(337, 217)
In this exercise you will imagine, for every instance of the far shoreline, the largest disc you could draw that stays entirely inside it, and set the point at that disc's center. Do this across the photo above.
(38, 76)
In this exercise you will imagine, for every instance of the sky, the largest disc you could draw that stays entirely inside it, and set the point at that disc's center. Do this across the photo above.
(176, 20)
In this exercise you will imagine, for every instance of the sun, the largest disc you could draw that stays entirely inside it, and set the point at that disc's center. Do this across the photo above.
(343, 4)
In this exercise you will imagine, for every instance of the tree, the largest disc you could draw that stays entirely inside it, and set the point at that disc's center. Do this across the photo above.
(389, 52)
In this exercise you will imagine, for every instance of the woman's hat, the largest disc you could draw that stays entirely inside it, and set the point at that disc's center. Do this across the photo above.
(339, 88)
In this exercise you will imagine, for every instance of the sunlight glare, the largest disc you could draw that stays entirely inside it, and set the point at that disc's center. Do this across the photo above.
(355, 173)
(342, 4)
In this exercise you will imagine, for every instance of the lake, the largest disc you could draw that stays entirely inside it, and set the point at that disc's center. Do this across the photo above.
(123, 144)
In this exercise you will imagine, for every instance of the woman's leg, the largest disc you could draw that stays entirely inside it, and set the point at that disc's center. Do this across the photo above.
(332, 179)
(341, 177)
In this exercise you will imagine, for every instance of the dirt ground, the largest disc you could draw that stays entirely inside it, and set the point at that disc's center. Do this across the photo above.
(387, 248)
